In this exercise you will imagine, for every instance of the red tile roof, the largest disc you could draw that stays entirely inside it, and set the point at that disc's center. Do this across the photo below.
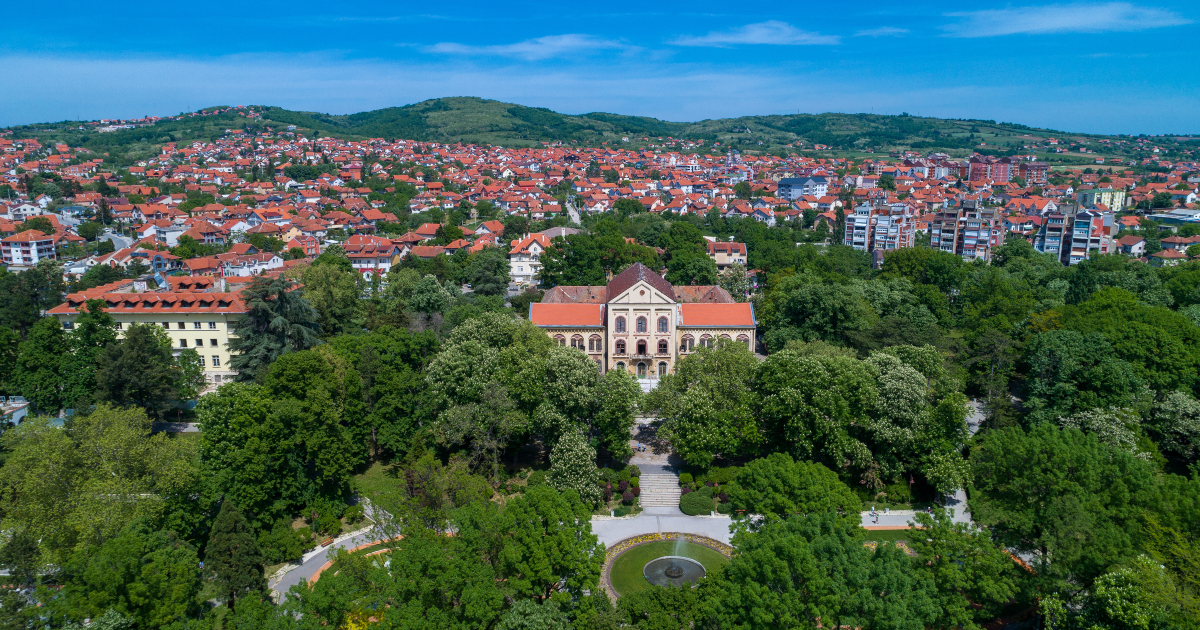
(566, 314)
(736, 314)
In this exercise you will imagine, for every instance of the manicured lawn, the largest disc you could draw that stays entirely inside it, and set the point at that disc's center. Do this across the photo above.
(889, 535)
(626, 573)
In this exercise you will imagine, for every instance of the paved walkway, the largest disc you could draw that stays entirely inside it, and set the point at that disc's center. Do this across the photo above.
(312, 561)
(657, 520)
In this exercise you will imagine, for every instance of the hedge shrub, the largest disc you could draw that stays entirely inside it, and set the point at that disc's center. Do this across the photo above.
(695, 504)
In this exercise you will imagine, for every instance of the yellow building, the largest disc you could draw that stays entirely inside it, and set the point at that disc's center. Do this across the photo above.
(193, 314)
(1111, 198)
(640, 322)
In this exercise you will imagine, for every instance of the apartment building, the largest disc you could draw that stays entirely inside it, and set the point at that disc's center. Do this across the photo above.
(1109, 197)
(1073, 234)
(1034, 172)
(26, 248)
(970, 231)
(194, 314)
(886, 227)
(793, 188)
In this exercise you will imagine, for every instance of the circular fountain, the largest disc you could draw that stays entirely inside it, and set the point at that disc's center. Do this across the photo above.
(673, 571)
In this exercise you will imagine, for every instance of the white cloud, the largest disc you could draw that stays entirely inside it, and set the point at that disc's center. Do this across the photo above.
(1062, 18)
(773, 32)
(532, 49)
(881, 31)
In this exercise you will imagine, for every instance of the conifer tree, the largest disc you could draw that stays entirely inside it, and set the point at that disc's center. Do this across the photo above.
(233, 557)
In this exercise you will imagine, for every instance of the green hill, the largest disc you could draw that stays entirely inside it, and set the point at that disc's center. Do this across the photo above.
(482, 121)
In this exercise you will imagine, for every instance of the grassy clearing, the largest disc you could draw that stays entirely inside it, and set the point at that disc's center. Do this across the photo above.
(889, 535)
(626, 573)
(377, 481)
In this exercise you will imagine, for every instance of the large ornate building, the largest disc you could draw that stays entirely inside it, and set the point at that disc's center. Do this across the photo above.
(640, 322)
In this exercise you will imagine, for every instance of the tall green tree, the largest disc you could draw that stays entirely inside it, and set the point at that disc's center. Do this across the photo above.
(78, 487)
(975, 578)
(232, 557)
(149, 576)
(778, 486)
(549, 544)
(38, 373)
(708, 404)
(812, 570)
(139, 370)
(333, 292)
(278, 320)
(1063, 496)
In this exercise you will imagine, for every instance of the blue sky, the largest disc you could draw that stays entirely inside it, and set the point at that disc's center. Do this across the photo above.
(1106, 67)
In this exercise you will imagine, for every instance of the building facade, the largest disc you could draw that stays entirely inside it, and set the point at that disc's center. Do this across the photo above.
(26, 248)
(886, 227)
(1111, 198)
(190, 310)
(792, 188)
(970, 231)
(525, 259)
(726, 254)
(641, 323)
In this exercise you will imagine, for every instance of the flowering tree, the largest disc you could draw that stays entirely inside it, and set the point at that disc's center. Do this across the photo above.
(573, 467)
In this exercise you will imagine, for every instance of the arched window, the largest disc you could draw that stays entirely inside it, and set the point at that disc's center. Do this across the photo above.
(663, 324)
(663, 346)
(641, 348)
(620, 346)
(687, 344)
(641, 370)
(620, 365)
(746, 340)
(577, 342)
(595, 343)
(706, 342)
(560, 340)
(662, 369)
(620, 324)
(726, 337)
(641, 324)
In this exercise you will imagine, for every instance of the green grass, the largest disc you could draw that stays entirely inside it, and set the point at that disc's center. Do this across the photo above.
(626, 572)
(889, 535)
(377, 482)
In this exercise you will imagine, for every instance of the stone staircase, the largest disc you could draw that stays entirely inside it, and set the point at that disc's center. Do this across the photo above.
(659, 490)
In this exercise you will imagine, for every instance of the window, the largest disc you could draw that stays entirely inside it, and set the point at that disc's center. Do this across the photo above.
(746, 340)
(662, 369)
(212, 325)
(595, 343)
(620, 324)
(183, 343)
(577, 342)
(216, 361)
(641, 348)
(181, 326)
(663, 324)
(199, 343)
(120, 326)
(167, 325)
(196, 325)
(560, 340)
(706, 342)
(687, 344)
(620, 346)
(663, 346)
(212, 342)
(201, 361)
(641, 324)
(620, 365)
(641, 370)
